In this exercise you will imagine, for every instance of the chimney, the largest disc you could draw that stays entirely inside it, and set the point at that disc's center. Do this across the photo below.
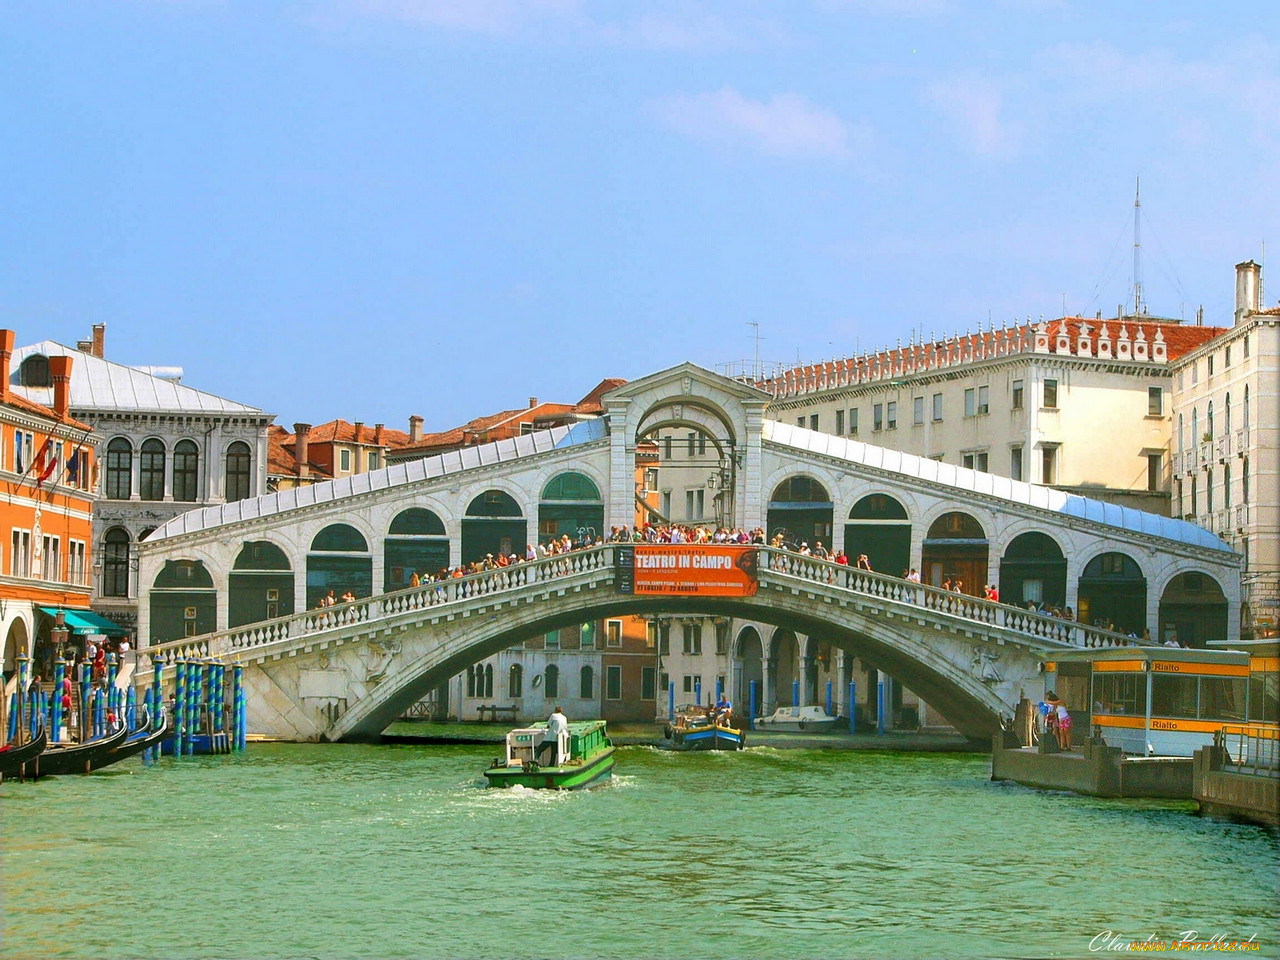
(1248, 277)
(301, 434)
(377, 434)
(6, 352)
(84, 346)
(60, 373)
(415, 428)
(359, 425)
(533, 402)
(99, 339)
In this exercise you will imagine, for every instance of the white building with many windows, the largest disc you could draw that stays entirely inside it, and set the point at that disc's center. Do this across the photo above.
(165, 448)
(1226, 456)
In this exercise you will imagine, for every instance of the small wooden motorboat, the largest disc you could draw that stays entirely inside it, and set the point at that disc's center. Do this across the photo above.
(59, 760)
(695, 728)
(19, 760)
(583, 757)
(811, 719)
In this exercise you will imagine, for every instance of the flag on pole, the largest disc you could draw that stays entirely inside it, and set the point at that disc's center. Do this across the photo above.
(46, 462)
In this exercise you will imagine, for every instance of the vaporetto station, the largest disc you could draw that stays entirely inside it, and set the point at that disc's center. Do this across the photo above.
(345, 672)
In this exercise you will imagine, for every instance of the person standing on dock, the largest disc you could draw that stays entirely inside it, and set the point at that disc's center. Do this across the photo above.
(557, 724)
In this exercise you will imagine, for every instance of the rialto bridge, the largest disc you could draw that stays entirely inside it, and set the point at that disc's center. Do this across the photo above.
(244, 579)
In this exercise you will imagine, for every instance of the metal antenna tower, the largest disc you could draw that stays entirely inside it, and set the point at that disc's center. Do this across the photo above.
(755, 371)
(1137, 248)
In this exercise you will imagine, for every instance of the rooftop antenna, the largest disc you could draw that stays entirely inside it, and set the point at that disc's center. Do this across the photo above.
(755, 372)
(1137, 248)
(1262, 276)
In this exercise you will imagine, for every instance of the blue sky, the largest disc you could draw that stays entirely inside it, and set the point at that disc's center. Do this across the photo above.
(374, 208)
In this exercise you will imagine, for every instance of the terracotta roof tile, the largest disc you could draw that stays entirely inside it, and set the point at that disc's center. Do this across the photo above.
(19, 402)
(591, 402)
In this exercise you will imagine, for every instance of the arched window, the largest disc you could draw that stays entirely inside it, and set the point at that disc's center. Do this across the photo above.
(151, 470)
(115, 563)
(552, 681)
(801, 489)
(1195, 427)
(1226, 415)
(238, 458)
(119, 469)
(1246, 407)
(34, 371)
(1181, 425)
(515, 681)
(1226, 484)
(488, 680)
(586, 683)
(1208, 422)
(186, 465)
(340, 538)
(473, 681)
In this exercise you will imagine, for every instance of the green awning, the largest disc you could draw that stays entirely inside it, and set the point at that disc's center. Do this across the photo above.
(86, 621)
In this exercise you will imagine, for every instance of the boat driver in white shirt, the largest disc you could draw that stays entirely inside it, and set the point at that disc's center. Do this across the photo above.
(557, 724)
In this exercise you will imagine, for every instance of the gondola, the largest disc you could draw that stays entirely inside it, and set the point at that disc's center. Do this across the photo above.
(14, 761)
(141, 740)
(82, 758)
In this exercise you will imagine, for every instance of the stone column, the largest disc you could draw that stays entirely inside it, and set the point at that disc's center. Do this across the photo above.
(622, 466)
(750, 499)
(804, 667)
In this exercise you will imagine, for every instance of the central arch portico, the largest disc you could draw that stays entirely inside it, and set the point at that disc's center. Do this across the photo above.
(362, 661)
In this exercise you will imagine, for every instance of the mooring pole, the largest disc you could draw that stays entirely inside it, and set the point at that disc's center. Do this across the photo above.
(853, 706)
(751, 717)
(880, 706)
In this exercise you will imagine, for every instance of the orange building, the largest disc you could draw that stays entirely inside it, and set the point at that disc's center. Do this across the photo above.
(48, 474)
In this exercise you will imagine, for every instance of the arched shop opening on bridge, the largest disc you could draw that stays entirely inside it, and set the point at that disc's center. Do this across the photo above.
(956, 549)
(784, 658)
(260, 584)
(415, 543)
(494, 523)
(339, 561)
(570, 504)
(184, 602)
(801, 510)
(15, 645)
(879, 527)
(1113, 591)
(1033, 570)
(1193, 610)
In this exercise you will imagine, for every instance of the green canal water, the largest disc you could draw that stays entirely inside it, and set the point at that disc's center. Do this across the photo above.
(399, 851)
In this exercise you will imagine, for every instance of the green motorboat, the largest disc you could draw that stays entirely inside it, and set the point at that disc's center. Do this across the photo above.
(582, 757)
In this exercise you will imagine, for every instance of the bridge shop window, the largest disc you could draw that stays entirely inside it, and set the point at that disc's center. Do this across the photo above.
(613, 683)
(415, 543)
(586, 683)
(552, 681)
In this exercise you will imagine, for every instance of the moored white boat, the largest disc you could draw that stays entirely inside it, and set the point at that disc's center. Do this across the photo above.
(811, 719)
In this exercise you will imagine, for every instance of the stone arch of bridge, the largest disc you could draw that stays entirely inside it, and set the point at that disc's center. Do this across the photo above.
(940, 671)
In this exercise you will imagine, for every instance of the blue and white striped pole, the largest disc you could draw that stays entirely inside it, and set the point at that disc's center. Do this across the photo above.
(59, 674)
(853, 706)
(795, 693)
(237, 686)
(179, 708)
(828, 698)
(880, 706)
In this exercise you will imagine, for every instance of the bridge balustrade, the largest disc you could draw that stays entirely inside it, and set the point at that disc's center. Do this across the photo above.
(502, 580)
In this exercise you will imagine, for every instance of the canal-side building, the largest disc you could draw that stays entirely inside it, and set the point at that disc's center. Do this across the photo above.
(334, 449)
(48, 465)
(167, 448)
(1226, 456)
(1026, 402)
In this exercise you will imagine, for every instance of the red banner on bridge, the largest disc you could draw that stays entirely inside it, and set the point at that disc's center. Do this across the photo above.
(687, 570)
